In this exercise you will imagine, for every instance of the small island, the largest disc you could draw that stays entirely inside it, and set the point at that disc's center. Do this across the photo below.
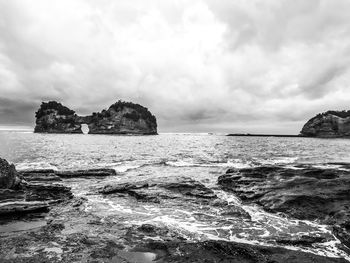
(120, 118)
(330, 124)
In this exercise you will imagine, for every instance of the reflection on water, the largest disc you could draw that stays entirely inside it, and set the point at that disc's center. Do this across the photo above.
(135, 257)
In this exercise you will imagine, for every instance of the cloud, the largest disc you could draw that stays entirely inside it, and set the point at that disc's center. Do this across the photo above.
(198, 65)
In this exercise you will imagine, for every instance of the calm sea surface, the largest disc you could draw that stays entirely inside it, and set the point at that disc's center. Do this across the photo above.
(201, 157)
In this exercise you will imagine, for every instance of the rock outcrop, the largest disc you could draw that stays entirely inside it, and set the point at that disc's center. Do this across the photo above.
(308, 193)
(19, 196)
(119, 118)
(9, 178)
(331, 124)
(53, 117)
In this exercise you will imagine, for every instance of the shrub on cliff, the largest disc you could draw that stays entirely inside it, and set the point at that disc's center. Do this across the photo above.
(141, 112)
(46, 108)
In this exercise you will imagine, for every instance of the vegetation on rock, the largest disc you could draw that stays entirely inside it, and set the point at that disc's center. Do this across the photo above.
(50, 107)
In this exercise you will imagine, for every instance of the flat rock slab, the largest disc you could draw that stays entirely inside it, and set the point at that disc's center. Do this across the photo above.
(23, 207)
(155, 189)
(52, 175)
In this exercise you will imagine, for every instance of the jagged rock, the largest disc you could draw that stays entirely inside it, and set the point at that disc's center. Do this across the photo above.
(53, 117)
(330, 124)
(308, 193)
(123, 118)
(304, 193)
(189, 187)
(119, 118)
(9, 178)
(26, 197)
(151, 190)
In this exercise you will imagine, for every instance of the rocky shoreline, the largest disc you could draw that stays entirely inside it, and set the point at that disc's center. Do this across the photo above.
(66, 231)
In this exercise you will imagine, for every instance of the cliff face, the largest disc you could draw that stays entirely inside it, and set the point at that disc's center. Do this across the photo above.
(120, 118)
(53, 117)
(123, 118)
(331, 124)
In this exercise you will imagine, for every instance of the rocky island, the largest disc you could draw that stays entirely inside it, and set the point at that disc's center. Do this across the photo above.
(120, 118)
(330, 124)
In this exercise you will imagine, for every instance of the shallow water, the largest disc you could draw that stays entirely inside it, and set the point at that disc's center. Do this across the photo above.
(202, 157)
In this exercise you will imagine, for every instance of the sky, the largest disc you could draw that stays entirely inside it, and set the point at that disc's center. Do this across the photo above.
(257, 66)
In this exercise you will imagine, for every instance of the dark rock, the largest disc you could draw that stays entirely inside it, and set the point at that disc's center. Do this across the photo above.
(23, 207)
(86, 173)
(306, 193)
(123, 187)
(153, 190)
(303, 240)
(342, 232)
(47, 192)
(28, 197)
(309, 193)
(235, 211)
(9, 178)
(10, 195)
(330, 124)
(119, 118)
(190, 187)
(53, 117)
(40, 177)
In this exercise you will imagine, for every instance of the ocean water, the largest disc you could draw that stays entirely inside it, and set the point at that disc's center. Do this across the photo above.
(202, 157)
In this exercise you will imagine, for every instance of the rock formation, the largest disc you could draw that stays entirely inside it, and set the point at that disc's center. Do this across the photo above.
(53, 117)
(17, 196)
(9, 178)
(119, 118)
(330, 124)
(306, 193)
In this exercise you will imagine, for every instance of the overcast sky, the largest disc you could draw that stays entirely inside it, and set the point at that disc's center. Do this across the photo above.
(226, 66)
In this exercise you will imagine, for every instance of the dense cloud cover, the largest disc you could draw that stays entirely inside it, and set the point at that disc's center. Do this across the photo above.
(230, 66)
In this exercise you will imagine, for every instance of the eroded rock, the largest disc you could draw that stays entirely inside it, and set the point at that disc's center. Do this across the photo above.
(119, 118)
(9, 178)
(303, 193)
(330, 124)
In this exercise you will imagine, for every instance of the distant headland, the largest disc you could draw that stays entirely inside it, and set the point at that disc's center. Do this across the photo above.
(120, 118)
(330, 124)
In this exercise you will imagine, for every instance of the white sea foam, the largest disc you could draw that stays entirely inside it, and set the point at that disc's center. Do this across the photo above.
(34, 165)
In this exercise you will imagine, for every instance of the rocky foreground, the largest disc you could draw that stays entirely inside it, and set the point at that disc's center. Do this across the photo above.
(67, 232)
(119, 118)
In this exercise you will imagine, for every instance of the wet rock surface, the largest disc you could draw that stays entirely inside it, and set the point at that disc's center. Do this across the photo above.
(177, 187)
(34, 195)
(66, 228)
(52, 175)
(304, 193)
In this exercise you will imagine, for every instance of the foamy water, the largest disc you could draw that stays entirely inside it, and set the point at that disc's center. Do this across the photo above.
(198, 156)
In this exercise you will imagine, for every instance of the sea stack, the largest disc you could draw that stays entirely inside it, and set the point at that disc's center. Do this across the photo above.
(330, 124)
(120, 118)
(53, 117)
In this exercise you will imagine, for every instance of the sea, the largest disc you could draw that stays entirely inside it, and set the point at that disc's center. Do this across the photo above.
(200, 156)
